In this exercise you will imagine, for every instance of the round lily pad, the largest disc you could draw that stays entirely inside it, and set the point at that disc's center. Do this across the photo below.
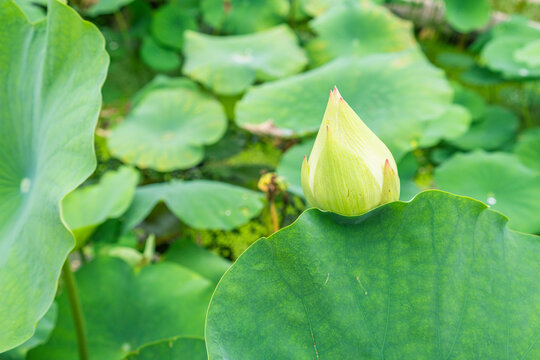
(126, 309)
(51, 74)
(244, 16)
(491, 131)
(529, 54)
(169, 23)
(179, 348)
(230, 64)
(450, 125)
(167, 128)
(498, 179)
(395, 95)
(157, 57)
(528, 148)
(358, 29)
(500, 55)
(87, 207)
(429, 279)
(201, 204)
(466, 15)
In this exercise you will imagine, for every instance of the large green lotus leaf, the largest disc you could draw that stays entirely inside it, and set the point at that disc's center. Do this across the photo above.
(467, 15)
(125, 309)
(452, 124)
(169, 23)
(157, 57)
(87, 207)
(102, 7)
(201, 204)
(291, 163)
(499, 55)
(244, 16)
(229, 65)
(359, 29)
(395, 95)
(44, 328)
(528, 148)
(167, 128)
(498, 179)
(494, 129)
(180, 348)
(529, 54)
(194, 257)
(51, 74)
(440, 277)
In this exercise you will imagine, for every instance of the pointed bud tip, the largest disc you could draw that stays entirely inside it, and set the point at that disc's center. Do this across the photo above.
(335, 93)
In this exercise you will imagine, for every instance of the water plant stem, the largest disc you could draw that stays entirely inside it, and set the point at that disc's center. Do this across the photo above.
(76, 311)
(274, 215)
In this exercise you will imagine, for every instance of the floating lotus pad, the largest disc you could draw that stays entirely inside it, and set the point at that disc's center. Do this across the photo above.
(500, 55)
(428, 279)
(244, 16)
(49, 107)
(167, 128)
(529, 54)
(359, 29)
(491, 131)
(87, 207)
(127, 309)
(499, 180)
(511, 49)
(157, 57)
(395, 95)
(229, 65)
(201, 204)
(169, 23)
(466, 15)
(452, 124)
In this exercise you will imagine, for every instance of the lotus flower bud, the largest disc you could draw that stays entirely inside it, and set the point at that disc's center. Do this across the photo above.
(350, 170)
